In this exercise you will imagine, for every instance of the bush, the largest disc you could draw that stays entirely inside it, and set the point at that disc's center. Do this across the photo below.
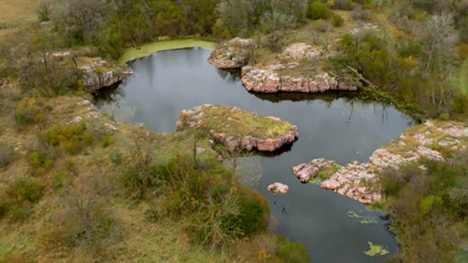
(359, 14)
(337, 20)
(30, 111)
(292, 252)
(342, 4)
(17, 199)
(6, 154)
(70, 138)
(318, 10)
(40, 160)
(323, 26)
(444, 117)
(463, 50)
(106, 141)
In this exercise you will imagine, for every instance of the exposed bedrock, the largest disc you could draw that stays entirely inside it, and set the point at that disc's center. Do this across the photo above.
(238, 129)
(360, 181)
(234, 53)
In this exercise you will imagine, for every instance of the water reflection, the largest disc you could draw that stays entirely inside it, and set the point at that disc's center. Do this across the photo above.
(341, 126)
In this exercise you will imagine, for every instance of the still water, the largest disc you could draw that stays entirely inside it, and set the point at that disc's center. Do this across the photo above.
(337, 126)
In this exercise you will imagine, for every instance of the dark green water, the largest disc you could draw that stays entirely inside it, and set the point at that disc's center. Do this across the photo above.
(336, 126)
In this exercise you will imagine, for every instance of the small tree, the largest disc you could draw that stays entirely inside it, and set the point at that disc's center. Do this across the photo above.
(44, 10)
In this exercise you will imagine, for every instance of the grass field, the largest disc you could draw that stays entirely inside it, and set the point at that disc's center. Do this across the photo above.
(459, 77)
(15, 11)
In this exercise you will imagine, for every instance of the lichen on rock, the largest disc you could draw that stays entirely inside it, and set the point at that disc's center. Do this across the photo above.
(239, 129)
(360, 181)
(234, 53)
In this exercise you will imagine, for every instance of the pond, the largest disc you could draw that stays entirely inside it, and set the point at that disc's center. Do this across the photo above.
(336, 126)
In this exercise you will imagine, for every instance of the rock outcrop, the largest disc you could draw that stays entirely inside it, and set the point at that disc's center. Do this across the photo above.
(269, 81)
(239, 129)
(98, 74)
(278, 188)
(275, 76)
(359, 181)
(234, 53)
(306, 171)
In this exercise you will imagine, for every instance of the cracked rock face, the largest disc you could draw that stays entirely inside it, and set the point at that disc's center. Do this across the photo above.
(193, 118)
(232, 54)
(269, 81)
(94, 77)
(268, 78)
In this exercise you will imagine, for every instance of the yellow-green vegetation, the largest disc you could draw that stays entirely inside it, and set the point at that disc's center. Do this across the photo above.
(75, 200)
(17, 11)
(236, 122)
(363, 220)
(150, 48)
(375, 250)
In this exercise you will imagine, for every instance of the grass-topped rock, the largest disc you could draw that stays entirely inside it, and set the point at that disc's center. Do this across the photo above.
(239, 129)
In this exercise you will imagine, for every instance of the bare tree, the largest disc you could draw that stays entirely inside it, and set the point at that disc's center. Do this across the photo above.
(440, 37)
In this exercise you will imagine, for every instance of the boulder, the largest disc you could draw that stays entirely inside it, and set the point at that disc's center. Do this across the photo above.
(234, 53)
(97, 75)
(278, 188)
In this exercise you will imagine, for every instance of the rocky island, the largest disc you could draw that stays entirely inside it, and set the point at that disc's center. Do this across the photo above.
(239, 129)
(433, 140)
(294, 70)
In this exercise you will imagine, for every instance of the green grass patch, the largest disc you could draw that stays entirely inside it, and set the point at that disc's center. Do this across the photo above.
(236, 122)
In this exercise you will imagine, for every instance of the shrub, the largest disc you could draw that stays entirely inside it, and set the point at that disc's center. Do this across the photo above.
(106, 141)
(40, 160)
(17, 199)
(292, 252)
(29, 111)
(359, 14)
(337, 20)
(323, 26)
(444, 117)
(318, 10)
(342, 4)
(116, 158)
(70, 138)
(6, 154)
(463, 50)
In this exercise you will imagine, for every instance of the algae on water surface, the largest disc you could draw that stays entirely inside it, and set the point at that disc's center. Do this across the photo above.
(150, 48)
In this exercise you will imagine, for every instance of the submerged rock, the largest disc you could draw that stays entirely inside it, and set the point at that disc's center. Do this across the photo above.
(239, 129)
(234, 53)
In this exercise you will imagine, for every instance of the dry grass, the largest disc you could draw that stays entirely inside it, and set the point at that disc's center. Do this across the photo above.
(236, 122)
(14, 11)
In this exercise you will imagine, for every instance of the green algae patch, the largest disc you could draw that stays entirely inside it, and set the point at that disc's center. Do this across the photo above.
(375, 250)
(150, 48)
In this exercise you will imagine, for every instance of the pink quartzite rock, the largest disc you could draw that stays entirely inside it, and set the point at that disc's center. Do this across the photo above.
(359, 181)
(234, 53)
(309, 170)
(248, 142)
(268, 81)
(278, 188)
